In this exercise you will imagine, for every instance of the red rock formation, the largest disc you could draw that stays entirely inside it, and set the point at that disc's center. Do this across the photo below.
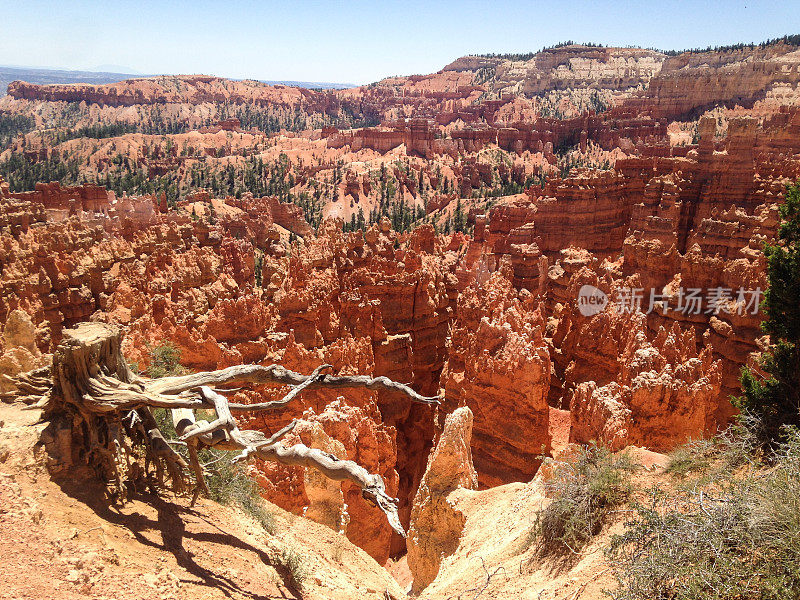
(416, 134)
(435, 524)
(70, 200)
(685, 222)
(192, 89)
(662, 394)
(499, 366)
(19, 352)
(16, 216)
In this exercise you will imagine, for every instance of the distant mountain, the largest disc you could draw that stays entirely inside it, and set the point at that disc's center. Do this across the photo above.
(47, 76)
(310, 85)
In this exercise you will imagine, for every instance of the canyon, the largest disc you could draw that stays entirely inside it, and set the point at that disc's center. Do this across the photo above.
(440, 230)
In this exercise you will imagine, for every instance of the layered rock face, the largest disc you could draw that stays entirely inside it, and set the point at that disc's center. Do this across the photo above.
(569, 66)
(419, 135)
(695, 82)
(435, 524)
(498, 365)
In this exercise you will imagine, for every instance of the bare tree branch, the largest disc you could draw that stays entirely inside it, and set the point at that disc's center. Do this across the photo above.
(277, 374)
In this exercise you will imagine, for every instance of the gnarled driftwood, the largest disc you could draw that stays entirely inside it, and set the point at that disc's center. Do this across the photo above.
(111, 408)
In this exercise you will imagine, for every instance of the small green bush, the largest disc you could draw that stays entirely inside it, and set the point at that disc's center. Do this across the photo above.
(691, 457)
(229, 483)
(715, 458)
(293, 563)
(741, 444)
(165, 360)
(584, 489)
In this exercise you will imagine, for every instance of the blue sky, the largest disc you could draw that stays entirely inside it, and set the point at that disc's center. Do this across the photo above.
(356, 41)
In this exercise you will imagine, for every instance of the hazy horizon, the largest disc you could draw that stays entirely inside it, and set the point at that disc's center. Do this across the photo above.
(359, 43)
(50, 73)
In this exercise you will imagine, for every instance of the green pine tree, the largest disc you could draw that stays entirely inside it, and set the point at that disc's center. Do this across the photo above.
(775, 399)
(459, 219)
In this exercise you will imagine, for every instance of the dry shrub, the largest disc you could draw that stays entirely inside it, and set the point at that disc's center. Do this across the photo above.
(295, 566)
(737, 537)
(583, 489)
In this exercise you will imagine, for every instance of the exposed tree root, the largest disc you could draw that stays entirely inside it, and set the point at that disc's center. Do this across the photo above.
(30, 387)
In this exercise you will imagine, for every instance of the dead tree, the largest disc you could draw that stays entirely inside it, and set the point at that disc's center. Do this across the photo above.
(111, 413)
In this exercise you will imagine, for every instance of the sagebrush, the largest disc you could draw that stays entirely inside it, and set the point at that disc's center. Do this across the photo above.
(583, 489)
